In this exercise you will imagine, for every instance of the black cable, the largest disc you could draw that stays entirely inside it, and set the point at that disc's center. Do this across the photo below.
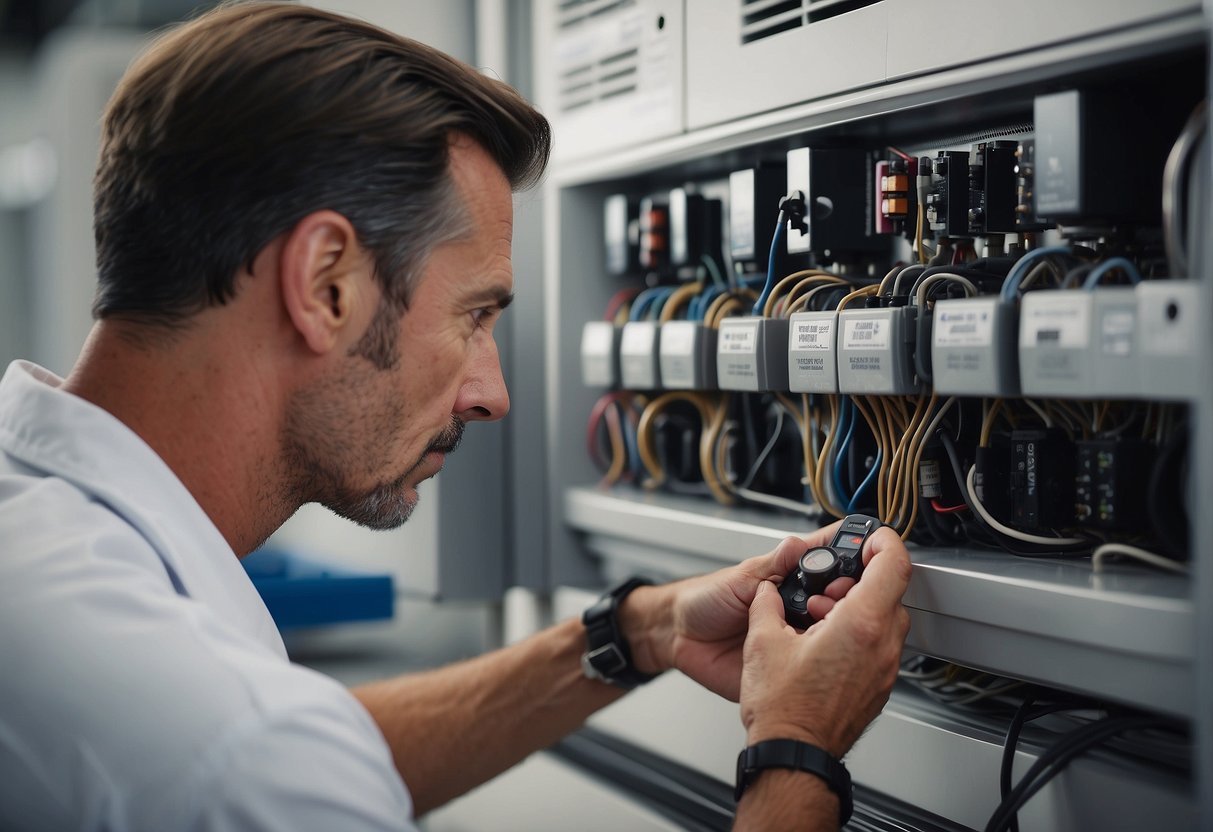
(1009, 744)
(1053, 761)
(1164, 494)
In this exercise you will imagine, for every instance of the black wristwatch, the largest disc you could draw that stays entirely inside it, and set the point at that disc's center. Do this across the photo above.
(800, 756)
(608, 657)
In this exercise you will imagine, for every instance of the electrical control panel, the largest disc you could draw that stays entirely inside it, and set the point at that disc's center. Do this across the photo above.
(973, 315)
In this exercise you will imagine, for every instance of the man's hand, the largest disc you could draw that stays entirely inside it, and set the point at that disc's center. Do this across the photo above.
(826, 684)
(699, 625)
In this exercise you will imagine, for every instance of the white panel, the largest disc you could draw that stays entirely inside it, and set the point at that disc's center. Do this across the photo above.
(928, 35)
(728, 80)
(591, 62)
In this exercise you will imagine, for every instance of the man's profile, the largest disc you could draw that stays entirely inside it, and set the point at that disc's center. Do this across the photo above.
(303, 229)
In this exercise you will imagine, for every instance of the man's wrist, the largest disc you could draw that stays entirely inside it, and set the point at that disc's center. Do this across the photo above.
(762, 730)
(646, 622)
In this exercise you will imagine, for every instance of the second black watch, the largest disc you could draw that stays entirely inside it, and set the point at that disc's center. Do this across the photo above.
(608, 656)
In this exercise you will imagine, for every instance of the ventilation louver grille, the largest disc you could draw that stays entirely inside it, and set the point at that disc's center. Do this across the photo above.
(592, 77)
(763, 18)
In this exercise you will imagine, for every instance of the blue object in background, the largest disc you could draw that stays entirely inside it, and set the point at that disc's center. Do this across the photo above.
(303, 593)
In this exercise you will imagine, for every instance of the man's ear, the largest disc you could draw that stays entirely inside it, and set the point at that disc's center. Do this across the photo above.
(324, 274)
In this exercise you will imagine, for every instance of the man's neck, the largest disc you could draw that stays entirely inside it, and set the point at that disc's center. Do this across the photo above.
(211, 410)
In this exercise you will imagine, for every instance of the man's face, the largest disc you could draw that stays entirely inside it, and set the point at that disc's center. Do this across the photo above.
(365, 437)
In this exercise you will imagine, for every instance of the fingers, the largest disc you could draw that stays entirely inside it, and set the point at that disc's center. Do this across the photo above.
(820, 606)
(783, 559)
(766, 610)
(887, 573)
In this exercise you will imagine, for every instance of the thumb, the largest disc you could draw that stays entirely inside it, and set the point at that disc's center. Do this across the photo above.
(766, 610)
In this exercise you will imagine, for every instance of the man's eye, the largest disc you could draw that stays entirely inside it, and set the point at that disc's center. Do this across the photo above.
(482, 316)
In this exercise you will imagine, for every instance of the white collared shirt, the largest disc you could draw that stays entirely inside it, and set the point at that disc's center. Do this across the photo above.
(143, 685)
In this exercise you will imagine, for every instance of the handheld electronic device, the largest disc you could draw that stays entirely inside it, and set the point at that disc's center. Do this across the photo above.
(843, 558)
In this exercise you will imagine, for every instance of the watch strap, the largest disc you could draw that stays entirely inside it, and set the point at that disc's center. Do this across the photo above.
(800, 756)
(608, 656)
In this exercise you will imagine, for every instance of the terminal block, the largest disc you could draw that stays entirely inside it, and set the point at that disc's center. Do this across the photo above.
(812, 352)
(752, 354)
(600, 354)
(638, 356)
(875, 351)
(974, 347)
(687, 352)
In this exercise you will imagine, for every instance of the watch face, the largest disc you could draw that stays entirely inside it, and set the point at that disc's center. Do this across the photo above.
(818, 559)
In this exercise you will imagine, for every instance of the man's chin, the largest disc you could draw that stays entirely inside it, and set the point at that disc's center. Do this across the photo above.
(381, 510)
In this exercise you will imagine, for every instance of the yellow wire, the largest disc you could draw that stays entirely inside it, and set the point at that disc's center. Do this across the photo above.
(804, 300)
(712, 317)
(824, 455)
(781, 287)
(644, 429)
(707, 460)
(907, 483)
(725, 310)
(858, 293)
(987, 423)
(679, 299)
(862, 407)
(619, 451)
(899, 454)
(824, 278)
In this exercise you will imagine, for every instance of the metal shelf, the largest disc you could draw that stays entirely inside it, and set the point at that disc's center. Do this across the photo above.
(1126, 634)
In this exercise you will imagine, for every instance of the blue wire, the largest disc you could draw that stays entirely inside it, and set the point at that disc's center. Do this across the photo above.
(664, 295)
(1011, 286)
(701, 302)
(848, 418)
(630, 441)
(1108, 265)
(643, 300)
(770, 284)
(863, 486)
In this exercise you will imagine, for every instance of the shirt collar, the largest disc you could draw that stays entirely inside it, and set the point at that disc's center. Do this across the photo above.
(62, 435)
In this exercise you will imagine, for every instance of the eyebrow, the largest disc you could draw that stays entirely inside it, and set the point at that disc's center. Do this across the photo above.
(496, 295)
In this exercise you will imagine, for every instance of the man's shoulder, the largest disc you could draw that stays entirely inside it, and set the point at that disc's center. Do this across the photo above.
(121, 689)
(50, 527)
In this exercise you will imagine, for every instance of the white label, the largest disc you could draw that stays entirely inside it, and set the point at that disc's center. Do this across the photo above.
(737, 339)
(1116, 333)
(812, 335)
(678, 338)
(865, 334)
(1059, 323)
(597, 338)
(638, 338)
(966, 327)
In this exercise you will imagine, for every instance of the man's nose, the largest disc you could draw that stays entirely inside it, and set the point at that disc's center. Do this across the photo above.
(483, 397)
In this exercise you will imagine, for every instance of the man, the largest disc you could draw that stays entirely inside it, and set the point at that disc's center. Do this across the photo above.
(303, 239)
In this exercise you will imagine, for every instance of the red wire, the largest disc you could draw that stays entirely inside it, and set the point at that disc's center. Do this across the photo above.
(940, 508)
(591, 431)
(619, 299)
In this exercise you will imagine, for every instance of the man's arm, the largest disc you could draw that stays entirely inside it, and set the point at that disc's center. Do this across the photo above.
(453, 728)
